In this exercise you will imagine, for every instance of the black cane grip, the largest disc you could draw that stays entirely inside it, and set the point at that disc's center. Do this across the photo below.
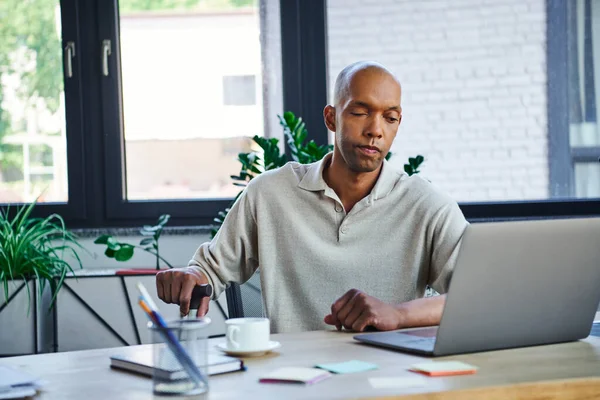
(198, 293)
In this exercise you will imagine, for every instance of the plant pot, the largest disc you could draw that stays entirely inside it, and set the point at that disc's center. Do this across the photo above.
(26, 327)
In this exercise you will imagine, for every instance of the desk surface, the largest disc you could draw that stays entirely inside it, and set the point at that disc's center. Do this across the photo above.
(86, 374)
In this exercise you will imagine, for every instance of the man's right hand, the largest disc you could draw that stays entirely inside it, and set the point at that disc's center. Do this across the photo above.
(174, 286)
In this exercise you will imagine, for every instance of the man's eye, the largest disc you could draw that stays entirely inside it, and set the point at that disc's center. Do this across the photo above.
(358, 114)
(393, 119)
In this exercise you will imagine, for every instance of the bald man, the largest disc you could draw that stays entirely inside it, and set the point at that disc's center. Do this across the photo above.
(346, 242)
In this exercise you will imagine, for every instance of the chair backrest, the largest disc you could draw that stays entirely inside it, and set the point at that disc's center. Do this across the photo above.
(245, 300)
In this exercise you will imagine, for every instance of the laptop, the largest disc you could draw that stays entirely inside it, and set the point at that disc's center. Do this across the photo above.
(515, 284)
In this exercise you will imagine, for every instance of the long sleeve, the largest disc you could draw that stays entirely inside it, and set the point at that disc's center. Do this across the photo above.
(448, 228)
(232, 255)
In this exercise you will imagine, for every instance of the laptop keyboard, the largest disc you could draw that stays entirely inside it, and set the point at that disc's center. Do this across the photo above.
(421, 343)
(415, 339)
(425, 343)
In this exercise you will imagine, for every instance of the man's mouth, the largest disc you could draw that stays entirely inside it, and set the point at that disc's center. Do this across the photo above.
(369, 150)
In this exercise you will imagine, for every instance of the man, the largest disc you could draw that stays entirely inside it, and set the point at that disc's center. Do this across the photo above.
(348, 225)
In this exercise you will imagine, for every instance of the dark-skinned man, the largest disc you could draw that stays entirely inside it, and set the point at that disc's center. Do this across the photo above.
(348, 229)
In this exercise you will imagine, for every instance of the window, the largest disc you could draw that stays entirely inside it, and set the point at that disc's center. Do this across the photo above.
(33, 157)
(239, 90)
(118, 111)
(176, 128)
(584, 88)
(476, 88)
(142, 105)
(168, 126)
(587, 179)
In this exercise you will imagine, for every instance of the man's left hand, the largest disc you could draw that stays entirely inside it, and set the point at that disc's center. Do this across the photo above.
(356, 310)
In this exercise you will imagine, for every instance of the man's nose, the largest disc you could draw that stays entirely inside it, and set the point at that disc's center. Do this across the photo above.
(375, 127)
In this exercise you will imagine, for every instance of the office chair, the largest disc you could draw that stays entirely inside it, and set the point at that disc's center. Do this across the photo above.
(245, 300)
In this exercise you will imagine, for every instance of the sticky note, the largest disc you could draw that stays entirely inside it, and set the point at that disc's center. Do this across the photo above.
(295, 375)
(348, 367)
(397, 382)
(444, 368)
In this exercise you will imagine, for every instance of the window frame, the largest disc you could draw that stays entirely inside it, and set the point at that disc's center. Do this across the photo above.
(560, 152)
(74, 210)
(95, 123)
(300, 44)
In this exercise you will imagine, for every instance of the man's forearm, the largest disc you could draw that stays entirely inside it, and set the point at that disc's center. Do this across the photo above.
(421, 312)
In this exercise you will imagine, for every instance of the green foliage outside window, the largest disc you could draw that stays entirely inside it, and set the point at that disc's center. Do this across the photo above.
(162, 5)
(30, 50)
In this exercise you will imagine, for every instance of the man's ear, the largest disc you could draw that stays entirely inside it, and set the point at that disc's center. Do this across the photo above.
(329, 117)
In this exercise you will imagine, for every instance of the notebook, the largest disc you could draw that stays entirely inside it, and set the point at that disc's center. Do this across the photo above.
(302, 375)
(16, 384)
(141, 363)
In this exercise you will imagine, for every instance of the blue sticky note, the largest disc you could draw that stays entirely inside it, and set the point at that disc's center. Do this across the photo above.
(348, 367)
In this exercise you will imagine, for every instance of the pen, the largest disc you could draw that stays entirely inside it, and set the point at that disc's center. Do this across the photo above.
(174, 345)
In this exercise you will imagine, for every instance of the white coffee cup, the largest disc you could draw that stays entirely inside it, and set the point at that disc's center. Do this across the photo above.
(248, 334)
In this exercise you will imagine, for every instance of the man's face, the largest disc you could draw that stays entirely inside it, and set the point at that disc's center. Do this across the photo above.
(367, 120)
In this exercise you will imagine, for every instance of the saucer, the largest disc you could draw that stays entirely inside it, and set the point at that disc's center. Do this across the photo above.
(245, 353)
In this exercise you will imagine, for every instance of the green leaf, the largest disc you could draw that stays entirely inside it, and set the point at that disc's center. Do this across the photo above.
(124, 253)
(102, 239)
(148, 228)
(113, 244)
(420, 160)
(110, 253)
(162, 221)
(289, 117)
(146, 241)
(408, 169)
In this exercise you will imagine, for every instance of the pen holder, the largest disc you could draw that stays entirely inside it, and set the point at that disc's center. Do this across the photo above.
(180, 357)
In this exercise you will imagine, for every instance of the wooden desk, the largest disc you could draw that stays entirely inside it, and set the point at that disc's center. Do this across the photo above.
(86, 374)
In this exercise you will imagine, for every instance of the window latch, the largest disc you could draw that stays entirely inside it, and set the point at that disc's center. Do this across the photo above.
(68, 58)
(106, 51)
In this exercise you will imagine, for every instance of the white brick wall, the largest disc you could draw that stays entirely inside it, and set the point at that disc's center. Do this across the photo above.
(474, 81)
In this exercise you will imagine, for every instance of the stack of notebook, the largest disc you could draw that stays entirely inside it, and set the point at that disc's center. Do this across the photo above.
(141, 363)
(16, 383)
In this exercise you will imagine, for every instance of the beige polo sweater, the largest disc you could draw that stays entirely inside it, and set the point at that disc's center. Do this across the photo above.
(404, 235)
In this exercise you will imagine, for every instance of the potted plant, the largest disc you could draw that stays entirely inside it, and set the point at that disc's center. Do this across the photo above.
(123, 251)
(33, 266)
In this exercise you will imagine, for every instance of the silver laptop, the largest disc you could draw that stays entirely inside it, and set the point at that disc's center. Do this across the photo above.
(515, 284)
